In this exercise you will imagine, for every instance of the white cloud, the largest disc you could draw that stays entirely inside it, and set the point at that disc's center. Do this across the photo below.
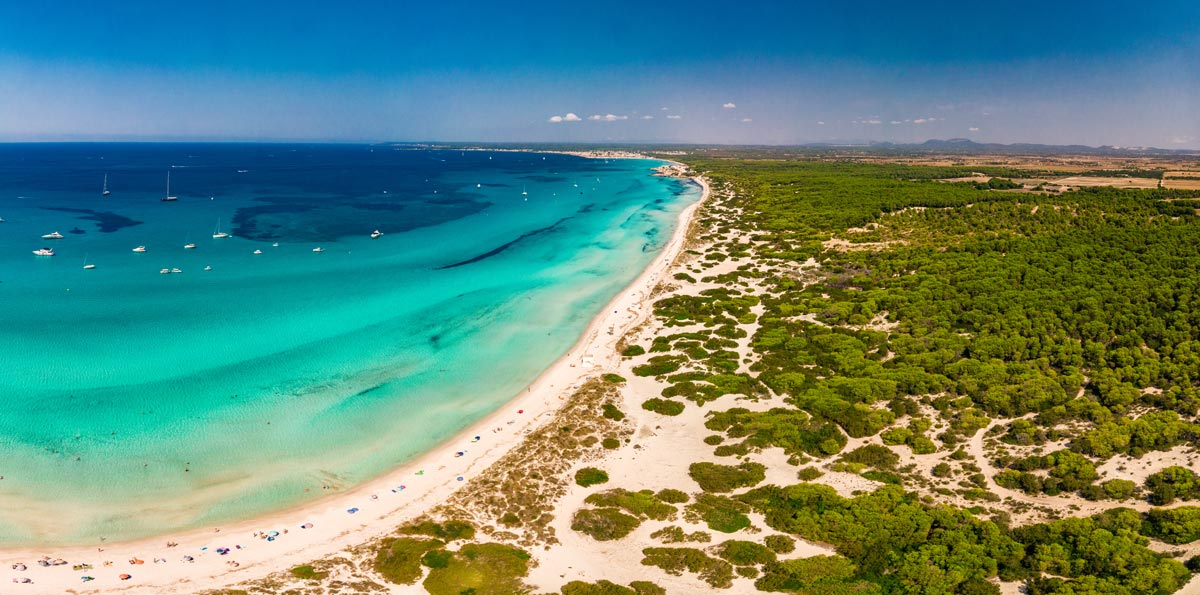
(647, 117)
(894, 122)
(973, 129)
(674, 117)
(747, 120)
(729, 105)
(570, 117)
(663, 109)
(872, 121)
(920, 121)
(556, 119)
(820, 122)
(606, 118)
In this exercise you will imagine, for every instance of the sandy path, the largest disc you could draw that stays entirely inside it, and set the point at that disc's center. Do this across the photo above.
(379, 505)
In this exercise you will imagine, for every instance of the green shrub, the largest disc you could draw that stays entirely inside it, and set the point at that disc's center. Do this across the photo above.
(873, 455)
(726, 478)
(590, 476)
(603, 587)
(663, 407)
(480, 569)
(614, 378)
(660, 365)
(598, 588)
(719, 513)
(610, 443)
(672, 496)
(399, 560)
(780, 544)
(942, 470)
(633, 350)
(744, 553)
(611, 412)
(809, 474)
(643, 504)
(675, 561)
(436, 558)
(308, 573)
(1119, 489)
(604, 524)
(448, 531)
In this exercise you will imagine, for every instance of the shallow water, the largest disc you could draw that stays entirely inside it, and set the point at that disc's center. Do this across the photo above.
(135, 402)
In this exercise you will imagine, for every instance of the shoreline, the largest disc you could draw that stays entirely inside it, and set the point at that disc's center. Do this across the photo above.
(380, 504)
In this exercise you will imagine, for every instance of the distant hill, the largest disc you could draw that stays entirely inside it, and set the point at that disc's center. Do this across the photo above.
(968, 146)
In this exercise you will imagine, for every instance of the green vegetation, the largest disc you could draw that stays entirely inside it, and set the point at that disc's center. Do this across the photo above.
(609, 588)
(610, 443)
(719, 513)
(672, 496)
(480, 569)
(780, 544)
(610, 411)
(308, 573)
(448, 531)
(604, 524)
(590, 476)
(1171, 483)
(643, 504)
(818, 575)
(996, 184)
(725, 478)
(794, 431)
(744, 553)
(1176, 525)
(663, 406)
(675, 534)
(1155, 174)
(675, 560)
(633, 350)
(1078, 310)
(398, 560)
(613, 379)
(1068, 471)
(809, 474)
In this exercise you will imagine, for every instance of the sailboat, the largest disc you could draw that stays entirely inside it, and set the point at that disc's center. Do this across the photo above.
(217, 233)
(105, 192)
(87, 265)
(168, 197)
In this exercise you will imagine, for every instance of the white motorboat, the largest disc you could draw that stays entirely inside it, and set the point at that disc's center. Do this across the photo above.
(376, 234)
(318, 249)
(44, 252)
(53, 236)
(140, 249)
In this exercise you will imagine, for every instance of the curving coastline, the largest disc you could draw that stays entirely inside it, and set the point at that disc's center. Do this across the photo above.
(327, 526)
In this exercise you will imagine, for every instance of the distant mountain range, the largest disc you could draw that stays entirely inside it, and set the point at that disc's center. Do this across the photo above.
(968, 146)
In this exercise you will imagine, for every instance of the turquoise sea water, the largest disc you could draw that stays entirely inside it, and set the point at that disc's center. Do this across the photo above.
(135, 403)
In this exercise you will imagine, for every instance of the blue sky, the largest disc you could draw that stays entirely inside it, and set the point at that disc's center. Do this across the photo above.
(1119, 73)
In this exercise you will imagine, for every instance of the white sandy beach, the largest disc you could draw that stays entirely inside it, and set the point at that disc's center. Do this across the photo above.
(327, 526)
